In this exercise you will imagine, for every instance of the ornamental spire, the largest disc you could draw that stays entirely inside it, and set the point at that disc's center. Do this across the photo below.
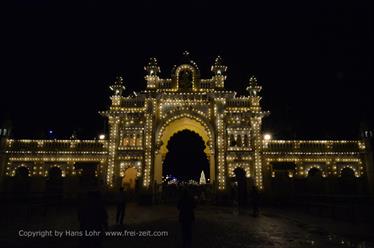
(153, 70)
(253, 88)
(218, 68)
(118, 86)
(219, 71)
(152, 67)
(186, 59)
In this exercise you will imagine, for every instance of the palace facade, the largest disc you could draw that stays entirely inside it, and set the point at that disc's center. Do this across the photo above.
(141, 124)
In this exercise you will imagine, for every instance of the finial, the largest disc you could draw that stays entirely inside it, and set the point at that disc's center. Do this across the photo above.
(152, 67)
(254, 88)
(119, 80)
(218, 61)
(253, 80)
(186, 58)
(152, 62)
(218, 68)
(118, 86)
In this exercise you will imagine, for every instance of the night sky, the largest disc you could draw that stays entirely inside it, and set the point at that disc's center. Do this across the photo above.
(314, 59)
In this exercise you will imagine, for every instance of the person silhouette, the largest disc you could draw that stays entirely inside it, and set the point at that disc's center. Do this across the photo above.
(255, 197)
(92, 217)
(234, 198)
(121, 206)
(186, 205)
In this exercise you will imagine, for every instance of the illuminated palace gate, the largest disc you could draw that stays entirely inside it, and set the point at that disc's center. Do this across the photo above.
(142, 124)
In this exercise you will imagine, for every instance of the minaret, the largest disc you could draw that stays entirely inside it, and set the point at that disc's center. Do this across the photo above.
(153, 71)
(117, 89)
(219, 73)
(256, 135)
(112, 174)
(253, 88)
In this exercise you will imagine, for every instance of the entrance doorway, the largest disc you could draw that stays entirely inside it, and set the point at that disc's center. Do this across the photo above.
(185, 160)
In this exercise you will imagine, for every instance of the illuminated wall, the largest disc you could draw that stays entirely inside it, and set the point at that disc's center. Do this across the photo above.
(141, 124)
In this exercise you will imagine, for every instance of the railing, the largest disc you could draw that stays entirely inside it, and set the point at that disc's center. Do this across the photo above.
(313, 145)
(238, 103)
(55, 145)
(133, 103)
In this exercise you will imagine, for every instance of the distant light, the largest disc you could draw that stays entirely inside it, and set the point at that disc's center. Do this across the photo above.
(267, 137)
(102, 136)
(50, 132)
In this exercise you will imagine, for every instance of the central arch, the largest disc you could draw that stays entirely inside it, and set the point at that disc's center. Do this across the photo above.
(186, 159)
(176, 124)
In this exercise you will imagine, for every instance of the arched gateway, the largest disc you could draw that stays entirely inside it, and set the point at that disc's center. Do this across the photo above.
(179, 122)
(141, 124)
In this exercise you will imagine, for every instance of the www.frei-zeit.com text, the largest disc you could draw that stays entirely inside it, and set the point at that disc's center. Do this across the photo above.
(90, 233)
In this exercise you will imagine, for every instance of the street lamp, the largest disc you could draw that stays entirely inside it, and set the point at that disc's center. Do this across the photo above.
(102, 136)
(267, 136)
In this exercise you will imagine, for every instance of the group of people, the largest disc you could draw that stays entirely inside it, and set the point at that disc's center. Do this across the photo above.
(186, 206)
(92, 213)
(239, 199)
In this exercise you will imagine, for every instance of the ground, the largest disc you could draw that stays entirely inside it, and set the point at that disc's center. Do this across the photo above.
(214, 227)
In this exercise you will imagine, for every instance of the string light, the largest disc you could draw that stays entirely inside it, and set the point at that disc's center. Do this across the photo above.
(140, 125)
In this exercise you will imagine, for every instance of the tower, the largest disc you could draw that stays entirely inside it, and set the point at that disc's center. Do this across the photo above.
(219, 73)
(113, 121)
(152, 76)
(117, 90)
(256, 115)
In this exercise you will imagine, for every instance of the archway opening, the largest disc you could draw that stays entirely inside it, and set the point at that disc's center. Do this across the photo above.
(21, 182)
(348, 182)
(169, 129)
(22, 173)
(314, 181)
(54, 174)
(54, 186)
(185, 159)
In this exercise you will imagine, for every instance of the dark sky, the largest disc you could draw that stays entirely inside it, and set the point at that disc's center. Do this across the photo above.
(313, 58)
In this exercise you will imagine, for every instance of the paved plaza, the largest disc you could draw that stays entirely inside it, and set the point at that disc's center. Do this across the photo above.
(214, 227)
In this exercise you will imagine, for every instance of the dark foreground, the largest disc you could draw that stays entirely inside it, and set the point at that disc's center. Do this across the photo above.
(158, 226)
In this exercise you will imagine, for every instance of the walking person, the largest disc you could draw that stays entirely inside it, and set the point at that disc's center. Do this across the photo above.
(234, 198)
(255, 197)
(121, 206)
(186, 206)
